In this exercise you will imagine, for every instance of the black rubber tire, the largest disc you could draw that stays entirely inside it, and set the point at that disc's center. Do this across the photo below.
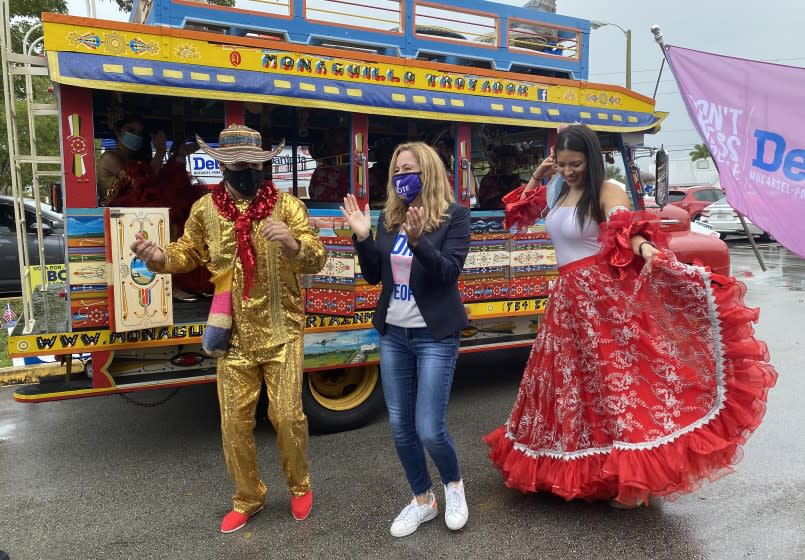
(323, 419)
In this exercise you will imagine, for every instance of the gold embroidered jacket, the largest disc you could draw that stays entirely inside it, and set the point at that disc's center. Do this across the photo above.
(274, 311)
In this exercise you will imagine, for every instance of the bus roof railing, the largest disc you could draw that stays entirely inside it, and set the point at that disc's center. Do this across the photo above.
(466, 32)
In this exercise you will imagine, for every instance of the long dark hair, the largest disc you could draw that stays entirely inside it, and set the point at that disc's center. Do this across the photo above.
(580, 138)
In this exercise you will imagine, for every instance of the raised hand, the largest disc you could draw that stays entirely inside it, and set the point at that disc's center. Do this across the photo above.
(360, 221)
(414, 224)
(546, 168)
(160, 142)
(147, 251)
(187, 149)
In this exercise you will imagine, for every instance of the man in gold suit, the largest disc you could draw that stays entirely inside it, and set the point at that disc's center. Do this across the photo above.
(256, 242)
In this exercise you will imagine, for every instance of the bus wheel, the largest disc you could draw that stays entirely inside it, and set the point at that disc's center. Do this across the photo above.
(342, 399)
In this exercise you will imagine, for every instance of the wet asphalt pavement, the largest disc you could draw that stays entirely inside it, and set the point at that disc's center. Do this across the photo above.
(102, 478)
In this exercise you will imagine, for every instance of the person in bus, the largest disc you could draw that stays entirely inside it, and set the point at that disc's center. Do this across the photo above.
(423, 238)
(137, 173)
(330, 179)
(445, 147)
(645, 377)
(257, 242)
(500, 182)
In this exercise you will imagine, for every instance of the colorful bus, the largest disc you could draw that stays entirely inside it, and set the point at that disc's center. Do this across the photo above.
(341, 82)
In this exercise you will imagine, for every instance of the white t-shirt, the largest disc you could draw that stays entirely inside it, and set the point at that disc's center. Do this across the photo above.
(402, 310)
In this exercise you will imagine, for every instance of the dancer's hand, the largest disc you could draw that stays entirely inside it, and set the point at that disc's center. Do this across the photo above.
(147, 251)
(360, 221)
(545, 169)
(413, 224)
(275, 230)
(650, 252)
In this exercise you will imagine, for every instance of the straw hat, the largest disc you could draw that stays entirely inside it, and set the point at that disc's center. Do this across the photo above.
(238, 143)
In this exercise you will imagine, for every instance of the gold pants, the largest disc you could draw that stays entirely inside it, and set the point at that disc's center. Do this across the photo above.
(240, 376)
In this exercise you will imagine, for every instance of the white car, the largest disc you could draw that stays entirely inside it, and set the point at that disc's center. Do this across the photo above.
(725, 221)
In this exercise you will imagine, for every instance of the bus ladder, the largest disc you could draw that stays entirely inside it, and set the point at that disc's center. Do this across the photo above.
(26, 65)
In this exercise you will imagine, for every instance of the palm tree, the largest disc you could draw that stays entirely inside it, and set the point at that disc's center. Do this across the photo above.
(700, 151)
(614, 172)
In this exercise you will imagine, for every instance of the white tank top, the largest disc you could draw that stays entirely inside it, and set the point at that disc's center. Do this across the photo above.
(570, 243)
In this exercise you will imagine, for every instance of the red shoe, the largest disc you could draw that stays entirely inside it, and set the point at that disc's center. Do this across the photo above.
(235, 520)
(301, 505)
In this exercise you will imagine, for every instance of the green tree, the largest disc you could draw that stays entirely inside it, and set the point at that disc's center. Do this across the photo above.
(614, 172)
(24, 15)
(700, 151)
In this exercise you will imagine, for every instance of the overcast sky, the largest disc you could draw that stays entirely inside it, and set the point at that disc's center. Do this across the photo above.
(768, 30)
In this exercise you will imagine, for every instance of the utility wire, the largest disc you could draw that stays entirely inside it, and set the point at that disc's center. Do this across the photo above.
(657, 69)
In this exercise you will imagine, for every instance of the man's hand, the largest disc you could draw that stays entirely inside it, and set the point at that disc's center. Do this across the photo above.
(273, 230)
(147, 251)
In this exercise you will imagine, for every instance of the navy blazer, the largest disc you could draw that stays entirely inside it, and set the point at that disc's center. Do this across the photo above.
(438, 260)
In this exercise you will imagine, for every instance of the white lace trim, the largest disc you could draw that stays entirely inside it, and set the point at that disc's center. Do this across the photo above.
(721, 398)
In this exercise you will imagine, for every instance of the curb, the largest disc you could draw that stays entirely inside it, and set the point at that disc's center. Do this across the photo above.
(18, 375)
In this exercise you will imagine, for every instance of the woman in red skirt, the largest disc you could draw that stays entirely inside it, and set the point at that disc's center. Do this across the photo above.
(645, 377)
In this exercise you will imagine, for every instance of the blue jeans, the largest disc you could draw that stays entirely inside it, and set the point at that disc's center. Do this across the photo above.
(417, 373)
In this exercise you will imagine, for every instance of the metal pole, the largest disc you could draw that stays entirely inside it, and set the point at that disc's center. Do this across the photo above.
(628, 33)
(10, 100)
(655, 30)
(752, 242)
(33, 151)
(628, 58)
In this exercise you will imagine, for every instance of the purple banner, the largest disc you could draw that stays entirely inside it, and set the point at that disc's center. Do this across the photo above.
(752, 117)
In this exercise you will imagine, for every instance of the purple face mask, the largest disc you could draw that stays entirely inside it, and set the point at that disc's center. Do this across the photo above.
(407, 185)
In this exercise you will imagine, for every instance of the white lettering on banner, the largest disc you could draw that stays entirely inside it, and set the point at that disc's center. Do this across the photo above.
(719, 125)
(206, 169)
(770, 181)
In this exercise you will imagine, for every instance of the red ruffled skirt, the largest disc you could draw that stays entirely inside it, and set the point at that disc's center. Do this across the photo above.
(635, 391)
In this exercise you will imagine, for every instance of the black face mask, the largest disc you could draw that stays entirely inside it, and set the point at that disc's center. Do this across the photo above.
(246, 181)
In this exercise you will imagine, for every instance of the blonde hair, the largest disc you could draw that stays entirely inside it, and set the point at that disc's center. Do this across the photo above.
(436, 195)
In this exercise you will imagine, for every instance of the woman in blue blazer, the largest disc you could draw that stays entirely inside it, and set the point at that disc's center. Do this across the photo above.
(423, 238)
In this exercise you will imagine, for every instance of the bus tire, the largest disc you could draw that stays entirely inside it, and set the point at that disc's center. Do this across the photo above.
(342, 399)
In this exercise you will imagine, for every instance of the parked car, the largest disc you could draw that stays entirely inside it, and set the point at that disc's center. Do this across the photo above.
(53, 236)
(725, 221)
(695, 199)
(690, 246)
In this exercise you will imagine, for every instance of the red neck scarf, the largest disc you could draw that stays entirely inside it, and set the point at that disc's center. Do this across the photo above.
(261, 206)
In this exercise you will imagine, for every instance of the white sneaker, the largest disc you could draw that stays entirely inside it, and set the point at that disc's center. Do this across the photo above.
(455, 506)
(413, 515)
